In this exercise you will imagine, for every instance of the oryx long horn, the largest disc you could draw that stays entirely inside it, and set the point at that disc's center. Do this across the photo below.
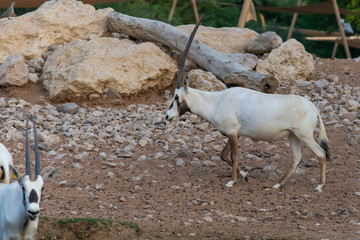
(182, 63)
(36, 148)
(27, 153)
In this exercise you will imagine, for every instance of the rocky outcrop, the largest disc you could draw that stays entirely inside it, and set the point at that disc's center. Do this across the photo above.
(287, 63)
(14, 71)
(54, 22)
(82, 68)
(205, 81)
(226, 40)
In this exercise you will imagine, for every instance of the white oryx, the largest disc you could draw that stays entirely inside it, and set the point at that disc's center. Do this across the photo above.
(5, 163)
(243, 112)
(19, 201)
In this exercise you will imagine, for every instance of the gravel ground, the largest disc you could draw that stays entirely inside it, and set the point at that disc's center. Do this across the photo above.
(125, 162)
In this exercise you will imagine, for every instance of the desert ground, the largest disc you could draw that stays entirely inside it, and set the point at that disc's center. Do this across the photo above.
(172, 185)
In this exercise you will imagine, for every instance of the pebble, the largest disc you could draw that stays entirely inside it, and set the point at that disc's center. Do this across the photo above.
(62, 183)
(180, 162)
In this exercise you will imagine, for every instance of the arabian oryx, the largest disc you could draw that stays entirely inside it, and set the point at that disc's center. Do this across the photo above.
(5, 163)
(19, 201)
(243, 112)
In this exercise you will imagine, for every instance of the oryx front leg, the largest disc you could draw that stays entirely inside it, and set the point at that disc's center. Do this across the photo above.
(233, 147)
(224, 157)
(322, 175)
(296, 154)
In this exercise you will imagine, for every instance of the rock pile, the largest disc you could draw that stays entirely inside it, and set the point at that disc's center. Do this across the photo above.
(68, 48)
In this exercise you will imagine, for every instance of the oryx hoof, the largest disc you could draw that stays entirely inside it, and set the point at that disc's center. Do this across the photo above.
(244, 175)
(319, 188)
(230, 183)
(277, 186)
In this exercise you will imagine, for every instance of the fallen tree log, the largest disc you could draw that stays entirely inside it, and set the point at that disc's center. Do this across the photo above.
(208, 58)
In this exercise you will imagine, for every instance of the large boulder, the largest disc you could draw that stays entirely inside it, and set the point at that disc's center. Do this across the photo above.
(54, 22)
(226, 40)
(288, 63)
(14, 71)
(264, 43)
(82, 68)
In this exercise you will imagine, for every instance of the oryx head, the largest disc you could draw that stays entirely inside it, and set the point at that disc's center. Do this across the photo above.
(5, 162)
(178, 105)
(32, 185)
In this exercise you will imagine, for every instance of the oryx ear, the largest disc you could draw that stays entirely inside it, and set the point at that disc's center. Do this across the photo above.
(51, 175)
(185, 83)
(15, 173)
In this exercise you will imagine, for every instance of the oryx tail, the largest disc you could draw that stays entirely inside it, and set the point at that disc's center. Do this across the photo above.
(323, 140)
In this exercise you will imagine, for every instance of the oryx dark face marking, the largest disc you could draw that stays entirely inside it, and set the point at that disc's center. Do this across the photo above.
(182, 107)
(2, 173)
(33, 198)
(178, 105)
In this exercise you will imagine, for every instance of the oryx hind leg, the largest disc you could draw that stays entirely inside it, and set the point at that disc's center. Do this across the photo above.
(321, 155)
(296, 155)
(224, 157)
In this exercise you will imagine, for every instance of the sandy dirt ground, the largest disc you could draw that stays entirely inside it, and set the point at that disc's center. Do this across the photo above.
(192, 202)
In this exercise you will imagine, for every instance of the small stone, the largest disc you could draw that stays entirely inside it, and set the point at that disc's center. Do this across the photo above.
(137, 178)
(175, 187)
(71, 108)
(180, 162)
(203, 126)
(218, 148)
(97, 113)
(141, 158)
(254, 157)
(109, 164)
(159, 155)
(241, 219)
(208, 138)
(77, 165)
(208, 219)
(109, 129)
(33, 77)
(110, 175)
(209, 163)
(193, 118)
(62, 183)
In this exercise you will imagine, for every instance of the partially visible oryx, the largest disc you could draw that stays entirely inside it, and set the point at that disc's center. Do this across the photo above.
(243, 112)
(19, 201)
(5, 163)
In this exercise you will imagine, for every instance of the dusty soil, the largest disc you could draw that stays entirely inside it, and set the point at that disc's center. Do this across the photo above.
(191, 202)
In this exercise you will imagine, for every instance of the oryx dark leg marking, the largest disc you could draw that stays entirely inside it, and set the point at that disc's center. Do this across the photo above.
(233, 146)
(224, 157)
